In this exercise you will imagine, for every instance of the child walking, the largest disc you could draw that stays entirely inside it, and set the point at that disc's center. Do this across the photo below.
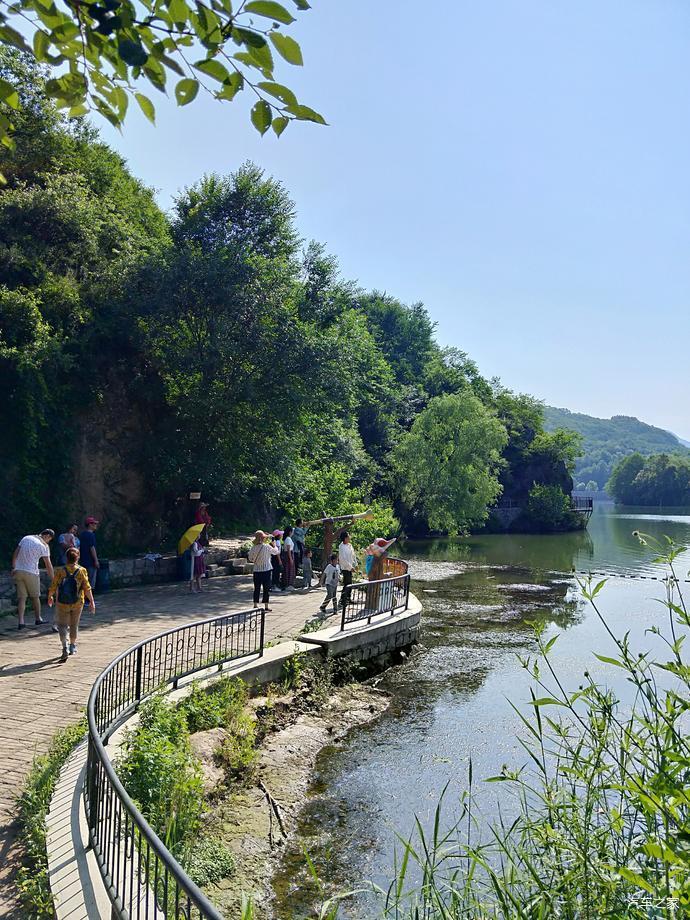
(330, 578)
(71, 584)
(306, 569)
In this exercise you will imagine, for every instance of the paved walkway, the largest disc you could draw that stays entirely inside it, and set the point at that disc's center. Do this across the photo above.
(38, 694)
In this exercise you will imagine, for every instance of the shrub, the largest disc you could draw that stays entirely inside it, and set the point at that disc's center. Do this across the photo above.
(237, 752)
(214, 707)
(209, 861)
(159, 770)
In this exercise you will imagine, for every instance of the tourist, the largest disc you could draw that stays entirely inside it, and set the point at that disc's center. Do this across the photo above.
(203, 517)
(330, 578)
(87, 550)
(307, 573)
(347, 560)
(376, 551)
(197, 550)
(275, 558)
(25, 559)
(261, 555)
(71, 584)
(299, 535)
(287, 557)
(68, 540)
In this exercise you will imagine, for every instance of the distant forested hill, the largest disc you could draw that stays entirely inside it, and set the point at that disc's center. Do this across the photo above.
(607, 440)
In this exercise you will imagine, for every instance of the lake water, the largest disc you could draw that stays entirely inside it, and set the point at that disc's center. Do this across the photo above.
(451, 701)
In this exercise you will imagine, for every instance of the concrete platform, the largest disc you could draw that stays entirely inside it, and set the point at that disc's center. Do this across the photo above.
(364, 640)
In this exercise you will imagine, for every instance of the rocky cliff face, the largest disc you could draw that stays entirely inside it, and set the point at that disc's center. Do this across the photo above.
(109, 476)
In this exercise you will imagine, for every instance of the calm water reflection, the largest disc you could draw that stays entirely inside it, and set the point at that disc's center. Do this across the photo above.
(451, 701)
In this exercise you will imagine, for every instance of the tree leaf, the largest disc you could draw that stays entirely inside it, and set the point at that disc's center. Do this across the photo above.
(214, 69)
(186, 91)
(304, 113)
(146, 107)
(12, 37)
(279, 125)
(41, 45)
(179, 11)
(261, 116)
(287, 48)
(270, 9)
(132, 53)
(279, 91)
(547, 701)
(8, 94)
(231, 87)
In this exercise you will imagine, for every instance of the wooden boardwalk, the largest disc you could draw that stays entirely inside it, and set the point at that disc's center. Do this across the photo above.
(38, 694)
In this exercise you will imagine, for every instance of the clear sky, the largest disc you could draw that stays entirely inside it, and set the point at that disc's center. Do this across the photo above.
(520, 166)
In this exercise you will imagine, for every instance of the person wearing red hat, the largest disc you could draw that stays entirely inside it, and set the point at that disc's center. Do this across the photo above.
(87, 549)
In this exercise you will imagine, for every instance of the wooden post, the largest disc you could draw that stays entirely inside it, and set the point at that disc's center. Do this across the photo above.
(327, 540)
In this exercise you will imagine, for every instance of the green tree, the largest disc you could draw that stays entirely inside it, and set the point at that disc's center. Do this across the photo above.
(620, 485)
(99, 56)
(447, 464)
(548, 508)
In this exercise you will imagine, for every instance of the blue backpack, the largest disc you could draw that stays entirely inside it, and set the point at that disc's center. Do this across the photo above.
(68, 591)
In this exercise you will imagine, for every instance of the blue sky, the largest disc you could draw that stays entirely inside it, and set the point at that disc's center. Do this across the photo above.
(520, 166)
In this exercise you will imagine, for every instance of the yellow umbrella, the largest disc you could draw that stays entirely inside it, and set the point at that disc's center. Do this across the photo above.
(189, 537)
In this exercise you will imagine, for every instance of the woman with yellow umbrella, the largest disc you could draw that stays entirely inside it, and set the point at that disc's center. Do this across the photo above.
(191, 541)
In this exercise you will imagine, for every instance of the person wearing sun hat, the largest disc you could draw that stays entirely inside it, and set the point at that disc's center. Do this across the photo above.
(375, 551)
(261, 556)
(87, 549)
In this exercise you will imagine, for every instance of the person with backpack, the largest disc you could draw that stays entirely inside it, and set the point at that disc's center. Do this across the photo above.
(70, 585)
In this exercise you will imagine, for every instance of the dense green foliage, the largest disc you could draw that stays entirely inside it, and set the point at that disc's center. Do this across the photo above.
(160, 771)
(657, 480)
(145, 355)
(448, 462)
(548, 508)
(606, 441)
(33, 807)
(100, 55)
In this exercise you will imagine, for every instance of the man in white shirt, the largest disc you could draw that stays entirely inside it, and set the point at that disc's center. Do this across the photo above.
(25, 560)
(347, 560)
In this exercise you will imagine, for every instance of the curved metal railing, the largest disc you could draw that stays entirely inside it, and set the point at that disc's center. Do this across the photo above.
(141, 876)
(389, 594)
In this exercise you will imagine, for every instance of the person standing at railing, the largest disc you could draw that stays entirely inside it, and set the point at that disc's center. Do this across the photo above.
(261, 556)
(347, 560)
(71, 585)
(330, 577)
(287, 557)
(299, 535)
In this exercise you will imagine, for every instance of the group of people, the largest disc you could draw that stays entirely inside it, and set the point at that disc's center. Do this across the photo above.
(277, 558)
(71, 583)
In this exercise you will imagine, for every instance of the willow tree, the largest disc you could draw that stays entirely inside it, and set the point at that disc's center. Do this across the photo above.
(447, 464)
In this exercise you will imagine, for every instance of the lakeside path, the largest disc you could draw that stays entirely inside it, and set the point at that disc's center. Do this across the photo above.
(38, 695)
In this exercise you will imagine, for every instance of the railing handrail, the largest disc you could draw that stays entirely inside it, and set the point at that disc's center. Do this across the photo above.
(98, 736)
(375, 586)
